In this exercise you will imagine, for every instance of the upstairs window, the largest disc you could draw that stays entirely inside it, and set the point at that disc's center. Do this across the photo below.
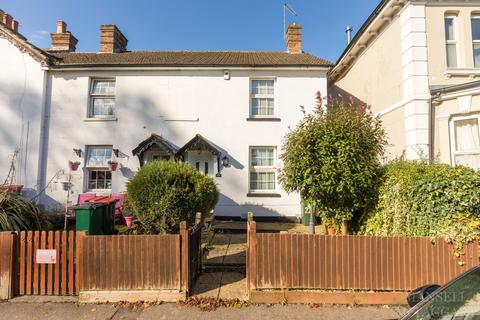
(262, 169)
(476, 40)
(451, 40)
(465, 139)
(102, 98)
(262, 98)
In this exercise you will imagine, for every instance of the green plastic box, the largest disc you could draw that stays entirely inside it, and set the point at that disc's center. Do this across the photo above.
(90, 218)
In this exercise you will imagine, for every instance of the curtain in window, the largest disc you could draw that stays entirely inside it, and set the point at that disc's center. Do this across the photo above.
(467, 135)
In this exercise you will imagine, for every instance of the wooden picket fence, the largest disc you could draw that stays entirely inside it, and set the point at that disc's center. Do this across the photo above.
(58, 278)
(99, 263)
(318, 262)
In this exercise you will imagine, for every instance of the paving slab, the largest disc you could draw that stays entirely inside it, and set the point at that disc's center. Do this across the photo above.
(208, 284)
(54, 311)
(233, 286)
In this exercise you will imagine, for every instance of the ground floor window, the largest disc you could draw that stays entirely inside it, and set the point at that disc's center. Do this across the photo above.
(465, 139)
(99, 176)
(262, 169)
(99, 179)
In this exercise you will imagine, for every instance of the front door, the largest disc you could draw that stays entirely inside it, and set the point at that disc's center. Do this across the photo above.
(202, 161)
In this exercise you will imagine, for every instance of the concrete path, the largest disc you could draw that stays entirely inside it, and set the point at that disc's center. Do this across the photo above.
(70, 311)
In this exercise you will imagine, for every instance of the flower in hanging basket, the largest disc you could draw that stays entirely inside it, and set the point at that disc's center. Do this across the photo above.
(73, 165)
(112, 165)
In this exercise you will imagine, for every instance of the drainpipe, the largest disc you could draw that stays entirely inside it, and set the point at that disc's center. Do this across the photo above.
(43, 143)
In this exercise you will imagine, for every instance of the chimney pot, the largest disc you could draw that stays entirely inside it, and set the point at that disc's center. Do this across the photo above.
(7, 20)
(61, 26)
(15, 25)
(112, 39)
(63, 40)
(294, 38)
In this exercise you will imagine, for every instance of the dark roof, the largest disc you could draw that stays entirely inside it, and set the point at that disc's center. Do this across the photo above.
(157, 140)
(200, 143)
(189, 58)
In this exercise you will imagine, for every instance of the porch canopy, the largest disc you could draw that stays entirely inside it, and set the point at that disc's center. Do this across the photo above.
(154, 140)
(199, 143)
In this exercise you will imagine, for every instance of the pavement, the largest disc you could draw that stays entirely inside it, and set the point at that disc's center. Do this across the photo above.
(72, 311)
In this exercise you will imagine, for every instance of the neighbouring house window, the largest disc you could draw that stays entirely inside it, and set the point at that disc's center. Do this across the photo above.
(99, 177)
(476, 40)
(451, 41)
(262, 169)
(466, 141)
(262, 98)
(157, 157)
(102, 98)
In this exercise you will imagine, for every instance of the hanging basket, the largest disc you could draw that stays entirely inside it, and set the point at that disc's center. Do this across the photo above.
(112, 166)
(73, 165)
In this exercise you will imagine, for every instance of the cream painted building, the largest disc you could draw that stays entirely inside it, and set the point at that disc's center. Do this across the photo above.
(417, 63)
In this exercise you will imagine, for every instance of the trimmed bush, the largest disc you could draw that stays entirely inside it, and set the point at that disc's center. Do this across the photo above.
(163, 193)
(17, 212)
(420, 199)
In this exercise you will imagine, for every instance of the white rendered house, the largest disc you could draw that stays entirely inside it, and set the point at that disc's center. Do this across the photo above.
(224, 112)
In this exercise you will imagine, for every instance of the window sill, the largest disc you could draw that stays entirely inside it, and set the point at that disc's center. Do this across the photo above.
(100, 119)
(263, 195)
(471, 72)
(264, 119)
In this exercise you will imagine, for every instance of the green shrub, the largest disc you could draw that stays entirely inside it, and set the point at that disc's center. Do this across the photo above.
(420, 199)
(163, 193)
(333, 158)
(17, 212)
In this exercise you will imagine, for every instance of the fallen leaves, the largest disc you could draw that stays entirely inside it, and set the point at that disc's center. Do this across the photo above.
(212, 304)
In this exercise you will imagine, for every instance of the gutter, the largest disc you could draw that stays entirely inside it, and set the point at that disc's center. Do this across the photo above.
(147, 67)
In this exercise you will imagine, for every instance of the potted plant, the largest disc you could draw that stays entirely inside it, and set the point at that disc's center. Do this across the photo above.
(127, 211)
(112, 165)
(73, 165)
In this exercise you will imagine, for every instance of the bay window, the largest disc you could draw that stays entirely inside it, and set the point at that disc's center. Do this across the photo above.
(465, 139)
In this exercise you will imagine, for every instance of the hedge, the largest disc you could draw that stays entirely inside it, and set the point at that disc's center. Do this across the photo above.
(420, 199)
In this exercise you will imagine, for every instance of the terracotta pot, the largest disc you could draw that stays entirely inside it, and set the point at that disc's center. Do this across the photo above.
(331, 231)
(74, 166)
(129, 221)
(112, 166)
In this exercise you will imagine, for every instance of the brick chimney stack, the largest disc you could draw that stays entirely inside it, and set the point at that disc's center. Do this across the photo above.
(112, 40)
(7, 20)
(63, 40)
(294, 38)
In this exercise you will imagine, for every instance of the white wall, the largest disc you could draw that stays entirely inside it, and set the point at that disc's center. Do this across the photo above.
(21, 86)
(146, 99)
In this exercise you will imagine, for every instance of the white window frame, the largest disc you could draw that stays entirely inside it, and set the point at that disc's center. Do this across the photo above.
(453, 140)
(454, 41)
(254, 169)
(92, 96)
(252, 96)
(88, 169)
(475, 16)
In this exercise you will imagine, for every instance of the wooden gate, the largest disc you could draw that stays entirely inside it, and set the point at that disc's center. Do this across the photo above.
(59, 278)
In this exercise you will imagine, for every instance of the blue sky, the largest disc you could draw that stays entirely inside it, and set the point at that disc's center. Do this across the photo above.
(194, 24)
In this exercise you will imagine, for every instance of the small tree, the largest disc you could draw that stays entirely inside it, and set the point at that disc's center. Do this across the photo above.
(163, 193)
(333, 157)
